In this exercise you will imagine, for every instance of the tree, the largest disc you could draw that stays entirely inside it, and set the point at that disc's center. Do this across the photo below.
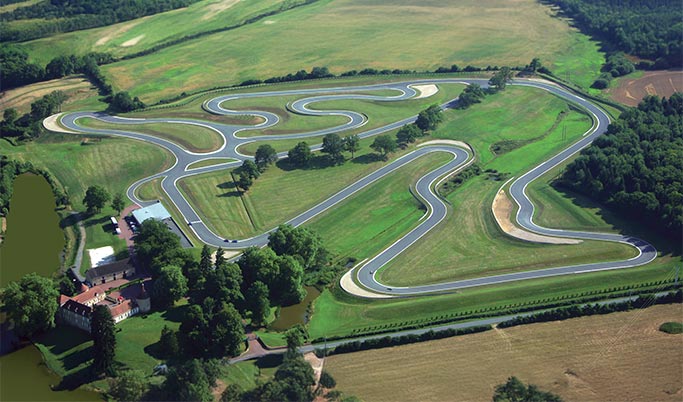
(122, 102)
(223, 285)
(245, 181)
(95, 198)
(384, 144)
(191, 381)
(295, 337)
(326, 380)
(250, 168)
(265, 156)
(129, 385)
(258, 303)
(429, 118)
(333, 145)
(500, 79)
(300, 155)
(408, 134)
(104, 340)
(31, 304)
(227, 332)
(299, 242)
(471, 95)
(169, 287)
(168, 342)
(515, 391)
(296, 378)
(352, 144)
(10, 115)
(232, 393)
(287, 288)
(535, 64)
(67, 286)
(118, 203)
(156, 246)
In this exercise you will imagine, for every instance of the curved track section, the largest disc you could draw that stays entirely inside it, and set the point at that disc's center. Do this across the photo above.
(437, 209)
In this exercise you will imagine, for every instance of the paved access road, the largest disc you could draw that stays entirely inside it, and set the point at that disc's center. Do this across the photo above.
(437, 209)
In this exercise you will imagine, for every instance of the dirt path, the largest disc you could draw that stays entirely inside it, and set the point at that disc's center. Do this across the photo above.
(502, 207)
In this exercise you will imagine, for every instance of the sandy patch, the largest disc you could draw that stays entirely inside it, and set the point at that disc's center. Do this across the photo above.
(217, 7)
(502, 207)
(115, 32)
(51, 123)
(425, 90)
(351, 287)
(460, 144)
(133, 42)
(218, 389)
(101, 256)
(228, 254)
(268, 22)
(316, 364)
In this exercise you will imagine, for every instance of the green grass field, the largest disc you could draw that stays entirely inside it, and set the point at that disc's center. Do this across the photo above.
(191, 137)
(209, 162)
(405, 35)
(338, 314)
(136, 35)
(110, 162)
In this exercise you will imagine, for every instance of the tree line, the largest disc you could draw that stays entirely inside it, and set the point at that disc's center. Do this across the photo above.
(650, 29)
(58, 16)
(637, 166)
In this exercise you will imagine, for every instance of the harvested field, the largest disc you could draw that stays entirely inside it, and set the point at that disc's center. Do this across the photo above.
(630, 91)
(76, 88)
(615, 357)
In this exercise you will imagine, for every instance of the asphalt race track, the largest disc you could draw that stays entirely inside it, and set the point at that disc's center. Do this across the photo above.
(436, 208)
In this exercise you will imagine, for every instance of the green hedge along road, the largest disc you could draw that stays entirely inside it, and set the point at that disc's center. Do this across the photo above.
(436, 208)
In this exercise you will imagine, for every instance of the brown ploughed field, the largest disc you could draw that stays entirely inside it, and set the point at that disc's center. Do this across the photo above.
(659, 83)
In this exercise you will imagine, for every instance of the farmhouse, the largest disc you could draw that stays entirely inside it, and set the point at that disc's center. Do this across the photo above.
(76, 311)
(122, 269)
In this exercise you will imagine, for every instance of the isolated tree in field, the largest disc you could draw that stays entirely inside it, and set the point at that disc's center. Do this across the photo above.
(104, 341)
(408, 134)
(96, 198)
(535, 64)
(384, 145)
(501, 78)
(258, 302)
(245, 181)
(429, 118)
(333, 145)
(169, 287)
(118, 203)
(300, 155)
(352, 144)
(168, 342)
(31, 304)
(129, 385)
(250, 168)
(265, 156)
(515, 391)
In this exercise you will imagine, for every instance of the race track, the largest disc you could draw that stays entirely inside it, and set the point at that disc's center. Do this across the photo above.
(436, 208)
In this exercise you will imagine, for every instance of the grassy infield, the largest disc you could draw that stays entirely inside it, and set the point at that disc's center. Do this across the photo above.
(475, 243)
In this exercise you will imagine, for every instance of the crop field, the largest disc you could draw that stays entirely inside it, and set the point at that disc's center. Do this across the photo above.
(587, 358)
(631, 89)
(77, 165)
(405, 35)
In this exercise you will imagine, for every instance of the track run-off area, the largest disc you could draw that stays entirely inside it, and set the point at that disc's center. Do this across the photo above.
(437, 210)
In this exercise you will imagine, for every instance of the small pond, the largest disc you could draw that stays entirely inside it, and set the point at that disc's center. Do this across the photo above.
(295, 314)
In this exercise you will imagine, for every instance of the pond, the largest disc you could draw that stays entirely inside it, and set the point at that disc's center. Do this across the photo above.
(33, 240)
(296, 314)
(24, 378)
(32, 243)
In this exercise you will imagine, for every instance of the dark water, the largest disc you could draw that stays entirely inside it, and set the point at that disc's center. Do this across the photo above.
(24, 378)
(33, 243)
(296, 314)
(34, 239)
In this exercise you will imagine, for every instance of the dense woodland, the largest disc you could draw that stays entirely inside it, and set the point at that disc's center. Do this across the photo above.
(71, 15)
(637, 166)
(650, 29)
